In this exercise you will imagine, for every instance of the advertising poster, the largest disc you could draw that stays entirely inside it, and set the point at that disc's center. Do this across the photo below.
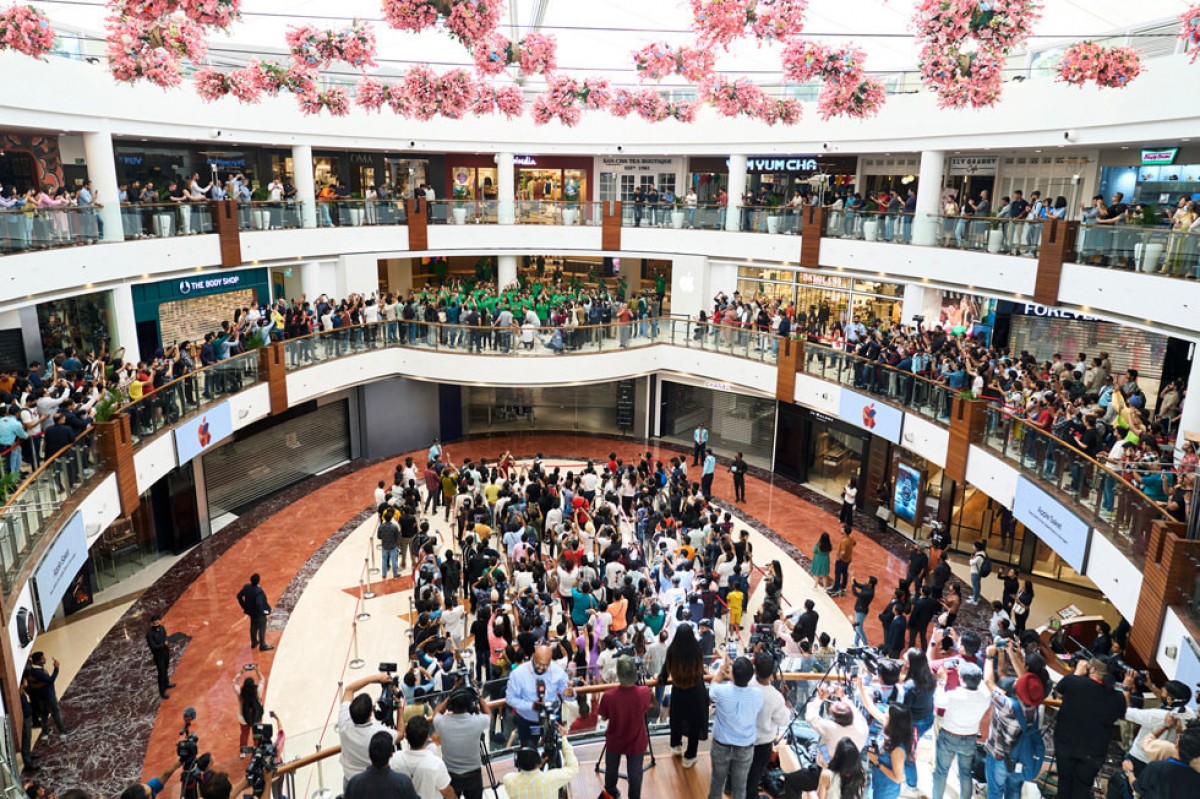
(200, 434)
(906, 496)
(1048, 519)
(56, 573)
(82, 590)
(871, 415)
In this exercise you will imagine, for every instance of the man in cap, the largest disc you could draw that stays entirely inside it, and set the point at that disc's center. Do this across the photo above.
(1174, 696)
(843, 721)
(1091, 708)
(625, 709)
(963, 709)
(1011, 715)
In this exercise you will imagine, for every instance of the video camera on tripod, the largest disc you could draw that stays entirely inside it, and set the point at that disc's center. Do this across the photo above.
(264, 758)
(187, 749)
(848, 659)
(549, 717)
(388, 704)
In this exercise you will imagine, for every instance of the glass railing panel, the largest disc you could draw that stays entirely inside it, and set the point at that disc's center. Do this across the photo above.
(887, 226)
(268, 215)
(1172, 253)
(182, 397)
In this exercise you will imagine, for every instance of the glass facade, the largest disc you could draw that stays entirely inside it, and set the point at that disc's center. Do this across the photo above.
(83, 322)
(830, 298)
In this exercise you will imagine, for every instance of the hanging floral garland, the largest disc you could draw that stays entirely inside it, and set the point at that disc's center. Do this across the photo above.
(733, 97)
(784, 111)
(26, 30)
(470, 21)
(720, 22)
(212, 13)
(805, 60)
(684, 111)
(153, 50)
(1107, 67)
(859, 99)
(623, 103)
(660, 60)
(506, 100)
(965, 43)
(336, 101)
(1189, 31)
(651, 106)
(317, 49)
(535, 54)
(560, 101)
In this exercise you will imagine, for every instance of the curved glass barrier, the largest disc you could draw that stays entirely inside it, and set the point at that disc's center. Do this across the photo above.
(165, 220)
(32, 228)
(896, 387)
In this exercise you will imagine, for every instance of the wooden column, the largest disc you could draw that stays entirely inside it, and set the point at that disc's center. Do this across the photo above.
(967, 420)
(791, 356)
(273, 368)
(1057, 248)
(610, 225)
(812, 228)
(418, 224)
(225, 224)
(1167, 580)
(114, 443)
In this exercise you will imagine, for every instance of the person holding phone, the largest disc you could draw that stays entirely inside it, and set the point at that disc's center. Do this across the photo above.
(735, 716)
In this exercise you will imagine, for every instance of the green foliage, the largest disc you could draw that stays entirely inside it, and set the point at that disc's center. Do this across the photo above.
(8, 484)
(107, 406)
(254, 339)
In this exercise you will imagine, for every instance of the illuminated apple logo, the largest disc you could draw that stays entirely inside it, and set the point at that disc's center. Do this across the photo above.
(687, 283)
(869, 416)
(203, 434)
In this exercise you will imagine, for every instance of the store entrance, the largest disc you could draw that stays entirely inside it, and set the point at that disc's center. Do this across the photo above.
(834, 456)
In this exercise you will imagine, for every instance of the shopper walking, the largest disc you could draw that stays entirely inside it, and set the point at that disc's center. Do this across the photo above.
(841, 566)
(156, 639)
(253, 601)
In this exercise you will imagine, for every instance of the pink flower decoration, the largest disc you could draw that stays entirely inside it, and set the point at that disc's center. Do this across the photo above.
(623, 103)
(25, 30)
(1108, 67)
(300, 80)
(538, 54)
(210, 84)
(493, 54)
(371, 94)
(655, 61)
(336, 101)
(416, 96)
(271, 76)
(1189, 31)
(595, 94)
(778, 19)
(732, 97)
(153, 51)
(316, 49)
(147, 10)
(719, 22)
(780, 112)
(651, 106)
(474, 21)
(510, 101)
(410, 15)
(212, 13)
(457, 90)
(695, 64)
(857, 99)
(245, 84)
(684, 111)
(805, 60)
(961, 80)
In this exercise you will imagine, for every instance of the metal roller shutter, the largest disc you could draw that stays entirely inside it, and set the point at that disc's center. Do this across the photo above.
(736, 422)
(245, 471)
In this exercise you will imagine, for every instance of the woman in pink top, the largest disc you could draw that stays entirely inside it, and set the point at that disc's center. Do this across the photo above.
(59, 200)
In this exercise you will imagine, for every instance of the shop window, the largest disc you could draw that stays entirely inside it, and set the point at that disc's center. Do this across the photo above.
(666, 181)
(628, 187)
(406, 174)
(463, 187)
(324, 171)
(81, 322)
(18, 171)
(366, 178)
(609, 186)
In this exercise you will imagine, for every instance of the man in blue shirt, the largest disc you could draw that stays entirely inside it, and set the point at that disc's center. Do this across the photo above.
(147, 790)
(532, 687)
(700, 437)
(735, 715)
(706, 476)
(11, 430)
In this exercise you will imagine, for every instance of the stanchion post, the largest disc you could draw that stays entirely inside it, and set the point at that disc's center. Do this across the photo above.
(363, 615)
(373, 569)
(322, 792)
(368, 594)
(356, 662)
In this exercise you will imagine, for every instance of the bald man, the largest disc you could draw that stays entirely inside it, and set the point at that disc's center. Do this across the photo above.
(532, 687)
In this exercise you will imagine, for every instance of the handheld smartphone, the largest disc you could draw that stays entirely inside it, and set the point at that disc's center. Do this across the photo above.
(731, 650)
(248, 667)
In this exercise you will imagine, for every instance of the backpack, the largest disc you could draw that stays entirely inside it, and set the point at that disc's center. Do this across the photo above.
(1030, 750)
(985, 568)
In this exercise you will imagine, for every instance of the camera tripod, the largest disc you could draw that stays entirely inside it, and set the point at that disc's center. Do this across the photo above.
(486, 760)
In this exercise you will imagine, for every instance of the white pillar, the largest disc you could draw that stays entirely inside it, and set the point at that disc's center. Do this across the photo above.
(1189, 420)
(506, 190)
(123, 323)
(302, 178)
(926, 227)
(506, 270)
(924, 301)
(310, 280)
(102, 171)
(737, 186)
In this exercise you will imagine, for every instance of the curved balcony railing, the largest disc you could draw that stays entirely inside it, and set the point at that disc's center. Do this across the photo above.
(913, 392)
(25, 230)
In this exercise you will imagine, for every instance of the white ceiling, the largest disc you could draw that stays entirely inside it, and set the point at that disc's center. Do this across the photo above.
(595, 35)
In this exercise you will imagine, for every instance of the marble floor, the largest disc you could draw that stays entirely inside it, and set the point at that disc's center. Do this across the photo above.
(311, 545)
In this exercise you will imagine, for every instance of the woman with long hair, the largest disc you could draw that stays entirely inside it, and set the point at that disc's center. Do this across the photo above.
(951, 602)
(820, 561)
(844, 777)
(480, 628)
(684, 667)
(250, 694)
(919, 688)
(890, 753)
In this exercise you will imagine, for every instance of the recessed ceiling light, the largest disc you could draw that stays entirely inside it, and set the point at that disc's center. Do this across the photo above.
(1126, 147)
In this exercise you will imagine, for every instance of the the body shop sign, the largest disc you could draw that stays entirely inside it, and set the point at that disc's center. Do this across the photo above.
(1048, 519)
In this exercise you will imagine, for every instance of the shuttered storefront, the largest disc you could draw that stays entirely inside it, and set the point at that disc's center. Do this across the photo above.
(246, 470)
(736, 422)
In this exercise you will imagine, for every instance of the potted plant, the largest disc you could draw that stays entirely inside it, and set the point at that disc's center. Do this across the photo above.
(1148, 252)
(355, 210)
(995, 238)
(773, 203)
(570, 211)
(260, 218)
(677, 214)
(462, 195)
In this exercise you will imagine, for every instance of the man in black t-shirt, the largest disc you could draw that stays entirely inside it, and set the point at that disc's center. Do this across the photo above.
(1174, 778)
(1090, 710)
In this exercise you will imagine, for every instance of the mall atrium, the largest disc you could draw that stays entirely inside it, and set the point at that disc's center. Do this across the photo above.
(499, 398)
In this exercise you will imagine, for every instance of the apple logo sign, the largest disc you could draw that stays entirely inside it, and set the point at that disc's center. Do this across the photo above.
(688, 283)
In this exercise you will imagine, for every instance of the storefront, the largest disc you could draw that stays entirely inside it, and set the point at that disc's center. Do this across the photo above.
(1043, 332)
(1159, 175)
(474, 176)
(1070, 177)
(162, 163)
(600, 408)
(736, 422)
(831, 298)
(709, 176)
(83, 322)
(890, 173)
(969, 175)
(788, 175)
(620, 176)
(170, 311)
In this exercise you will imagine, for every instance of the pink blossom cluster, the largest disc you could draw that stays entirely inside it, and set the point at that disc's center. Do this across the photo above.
(684, 111)
(655, 61)
(943, 26)
(695, 63)
(536, 54)
(623, 103)
(25, 30)
(371, 94)
(336, 101)
(139, 49)
(316, 49)
(473, 21)
(507, 100)
(595, 94)
(785, 111)
(651, 106)
(245, 84)
(211, 13)
(410, 15)
(720, 22)
(858, 99)
(805, 60)
(733, 97)
(211, 84)
(778, 19)
(1189, 31)
(1107, 67)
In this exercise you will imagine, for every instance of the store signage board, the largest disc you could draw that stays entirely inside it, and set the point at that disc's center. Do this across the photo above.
(1050, 520)
(204, 432)
(715, 385)
(1159, 157)
(1033, 309)
(636, 164)
(59, 566)
(802, 163)
(974, 165)
(871, 415)
(524, 160)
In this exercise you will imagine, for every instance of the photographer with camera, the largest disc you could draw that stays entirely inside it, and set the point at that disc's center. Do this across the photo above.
(625, 709)
(1091, 708)
(1174, 696)
(833, 718)
(530, 782)
(532, 687)
(460, 721)
(148, 790)
(356, 727)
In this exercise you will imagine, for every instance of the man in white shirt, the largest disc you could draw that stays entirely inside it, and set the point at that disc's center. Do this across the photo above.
(964, 708)
(772, 717)
(355, 727)
(844, 721)
(1174, 696)
(422, 762)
